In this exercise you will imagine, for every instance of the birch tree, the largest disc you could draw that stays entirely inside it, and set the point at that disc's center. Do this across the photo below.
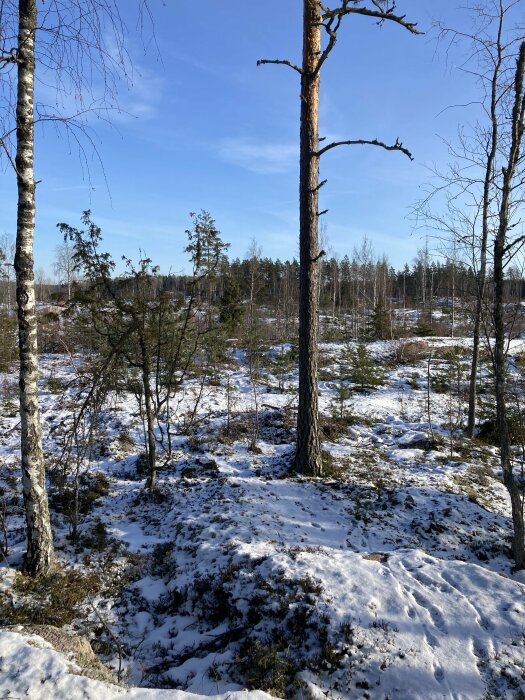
(78, 47)
(486, 186)
(511, 184)
(321, 25)
(39, 556)
(470, 183)
(64, 266)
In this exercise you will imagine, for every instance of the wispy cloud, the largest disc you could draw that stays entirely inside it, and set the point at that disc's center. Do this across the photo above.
(263, 157)
(209, 68)
(143, 97)
(128, 91)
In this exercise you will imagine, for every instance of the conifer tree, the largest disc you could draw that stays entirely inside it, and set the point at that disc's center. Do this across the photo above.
(319, 20)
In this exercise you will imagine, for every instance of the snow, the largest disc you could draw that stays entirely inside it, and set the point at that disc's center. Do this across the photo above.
(31, 668)
(388, 578)
(447, 618)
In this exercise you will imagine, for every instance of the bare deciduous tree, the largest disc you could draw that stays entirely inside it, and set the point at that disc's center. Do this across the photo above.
(511, 184)
(79, 48)
(64, 266)
(470, 184)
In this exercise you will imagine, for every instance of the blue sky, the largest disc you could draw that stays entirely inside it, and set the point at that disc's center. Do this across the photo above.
(203, 127)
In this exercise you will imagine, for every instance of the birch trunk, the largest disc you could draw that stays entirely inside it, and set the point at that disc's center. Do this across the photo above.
(39, 556)
(500, 356)
(487, 194)
(308, 451)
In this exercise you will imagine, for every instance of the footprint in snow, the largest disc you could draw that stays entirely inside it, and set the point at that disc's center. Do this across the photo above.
(434, 613)
(485, 623)
(480, 653)
(439, 674)
(424, 579)
(430, 639)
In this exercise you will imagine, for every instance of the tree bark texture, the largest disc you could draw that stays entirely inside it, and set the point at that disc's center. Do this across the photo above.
(487, 190)
(308, 451)
(500, 356)
(39, 556)
(150, 415)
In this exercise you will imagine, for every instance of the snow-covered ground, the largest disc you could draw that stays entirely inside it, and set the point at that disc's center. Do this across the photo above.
(31, 668)
(390, 577)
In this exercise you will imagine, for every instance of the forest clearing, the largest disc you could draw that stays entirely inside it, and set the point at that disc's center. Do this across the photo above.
(389, 574)
(235, 474)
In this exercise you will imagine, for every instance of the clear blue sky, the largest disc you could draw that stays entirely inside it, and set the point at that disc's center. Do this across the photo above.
(205, 128)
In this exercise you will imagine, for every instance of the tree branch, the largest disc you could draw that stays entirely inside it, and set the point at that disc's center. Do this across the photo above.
(8, 57)
(397, 146)
(332, 33)
(8, 154)
(380, 14)
(264, 61)
(517, 242)
(331, 21)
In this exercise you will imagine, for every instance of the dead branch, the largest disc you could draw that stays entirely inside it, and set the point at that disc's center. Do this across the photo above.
(118, 643)
(264, 61)
(331, 21)
(397, 146)
(217, 643)
(380, 13)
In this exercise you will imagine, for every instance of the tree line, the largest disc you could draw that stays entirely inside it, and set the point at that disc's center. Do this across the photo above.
(352, 288)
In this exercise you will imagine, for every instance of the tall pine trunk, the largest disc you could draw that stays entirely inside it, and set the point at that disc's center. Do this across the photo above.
(500, 356)
(308, 451)
(39, 556)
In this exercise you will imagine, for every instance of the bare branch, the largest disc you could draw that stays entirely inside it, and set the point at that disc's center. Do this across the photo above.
(380, 14)
(331, 21)
(8, 154)
(397, 146)
(263, 61)
(331, 30)
(8, 56)
(517, 242)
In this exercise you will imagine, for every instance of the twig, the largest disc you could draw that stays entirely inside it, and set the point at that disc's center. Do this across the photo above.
(112, 635)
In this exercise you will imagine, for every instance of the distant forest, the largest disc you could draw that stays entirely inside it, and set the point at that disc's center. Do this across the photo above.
(360, 297)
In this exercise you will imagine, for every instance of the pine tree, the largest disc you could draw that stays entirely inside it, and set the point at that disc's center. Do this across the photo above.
(231, 308)
(381, 328)
(319, 21)
(361, 369)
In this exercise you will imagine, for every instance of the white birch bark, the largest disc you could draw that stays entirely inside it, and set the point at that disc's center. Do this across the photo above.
(39, 556)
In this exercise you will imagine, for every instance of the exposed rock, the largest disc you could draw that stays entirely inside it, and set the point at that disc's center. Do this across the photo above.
(77, 648)
(381, 557)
